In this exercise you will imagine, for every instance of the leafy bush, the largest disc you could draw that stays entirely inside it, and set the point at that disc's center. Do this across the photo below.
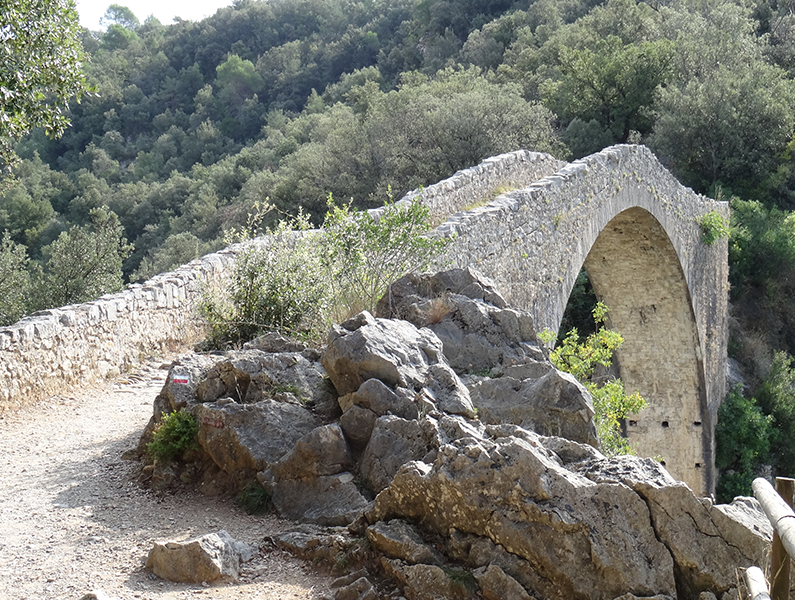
(278, 284)
(254, 499)
(611, 403)
(713, 227)
(364, 255)
(174, 436)
(742, 439)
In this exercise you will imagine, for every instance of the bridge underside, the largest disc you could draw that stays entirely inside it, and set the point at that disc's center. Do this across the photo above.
(635, 271)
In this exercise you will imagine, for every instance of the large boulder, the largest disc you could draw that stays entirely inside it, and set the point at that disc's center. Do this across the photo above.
(245, 438)
(215, 556)
(707, 543)
(575, 538)
(463, 308)
(554, 405)
(313, 483)
(397, 354)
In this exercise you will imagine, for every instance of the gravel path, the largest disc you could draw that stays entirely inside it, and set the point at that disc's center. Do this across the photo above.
(73, 519)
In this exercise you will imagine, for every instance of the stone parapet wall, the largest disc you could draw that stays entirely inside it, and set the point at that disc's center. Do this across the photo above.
(484, 182)
(54, 350)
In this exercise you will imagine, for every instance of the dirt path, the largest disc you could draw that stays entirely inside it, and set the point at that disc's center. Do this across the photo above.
(72, 519)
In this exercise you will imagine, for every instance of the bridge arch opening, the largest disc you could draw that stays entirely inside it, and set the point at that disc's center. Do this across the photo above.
(634, 269)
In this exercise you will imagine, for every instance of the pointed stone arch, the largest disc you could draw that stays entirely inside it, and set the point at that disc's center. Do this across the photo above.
(634, 227)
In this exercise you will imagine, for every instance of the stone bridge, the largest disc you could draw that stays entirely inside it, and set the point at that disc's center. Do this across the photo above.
(633, 227)
(618, 213)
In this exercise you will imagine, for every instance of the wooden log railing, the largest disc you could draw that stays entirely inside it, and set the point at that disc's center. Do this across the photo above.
(777, 504)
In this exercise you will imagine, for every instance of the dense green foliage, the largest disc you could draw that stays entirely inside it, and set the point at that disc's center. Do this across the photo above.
(581, 357)
(174, 436)
(743, 442)
(40, 70)
(297, 281)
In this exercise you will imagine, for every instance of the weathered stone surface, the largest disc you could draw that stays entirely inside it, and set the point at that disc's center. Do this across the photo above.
(581, 539)
(360, 589)
(322, 451)
(424, 582)
(395, 352)
(358, 423)
(208, 558)
(706, 557)
(398, 539)
(274, 342)
(409, 291)
(394, 441)
(250, 437)
(464, 309)
(495, 584)
(374, 395)
(554, 405)
(325, 500)
(311, 482)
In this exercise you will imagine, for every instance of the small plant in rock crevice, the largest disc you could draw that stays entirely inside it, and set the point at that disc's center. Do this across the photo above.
(174, 436)
(254, 499)
(713, 227)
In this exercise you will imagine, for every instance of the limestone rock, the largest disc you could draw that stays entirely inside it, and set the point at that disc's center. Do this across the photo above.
(312, 482)
(245, 438)
(470, 317)
(322, 451)
(495, 584)
(325, 500)
(208, 558)
(580, 539)
(394, 441)
(274, 342)
(372, 400)
(360, 589)
(707, 543)
(425, 582)
(398, 539)
(554, 405)
(411, 289)
(395, 352)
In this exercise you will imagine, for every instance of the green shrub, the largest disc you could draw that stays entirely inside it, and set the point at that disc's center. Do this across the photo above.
(174, 436)
(254, 499)
(580, 357)
(713, 227)
(278, 284)
(742, 439)
(364, 255)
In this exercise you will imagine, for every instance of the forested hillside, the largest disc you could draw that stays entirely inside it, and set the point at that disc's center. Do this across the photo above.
(192, 124)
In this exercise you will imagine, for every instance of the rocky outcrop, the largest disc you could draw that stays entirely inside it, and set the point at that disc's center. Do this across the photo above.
(458, 482)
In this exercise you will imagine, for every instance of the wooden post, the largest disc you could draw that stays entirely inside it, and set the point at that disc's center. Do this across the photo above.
(757, 586)
(779, 561)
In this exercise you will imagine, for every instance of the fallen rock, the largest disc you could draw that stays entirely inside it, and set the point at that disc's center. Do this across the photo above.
(554, 405)
(208, 558)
